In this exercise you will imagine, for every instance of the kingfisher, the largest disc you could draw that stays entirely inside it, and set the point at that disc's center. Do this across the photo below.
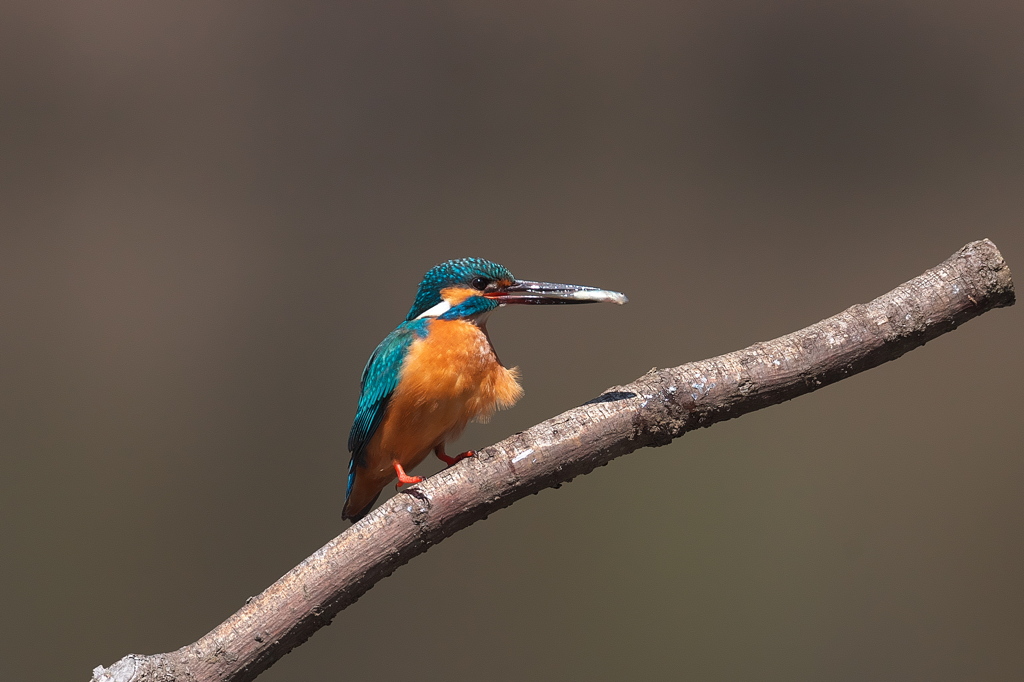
(437, 371)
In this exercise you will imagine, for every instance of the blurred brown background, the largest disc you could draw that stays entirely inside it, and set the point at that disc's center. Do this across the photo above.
(210, 213)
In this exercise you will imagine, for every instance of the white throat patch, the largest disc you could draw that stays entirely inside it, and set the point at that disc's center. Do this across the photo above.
(438, 310)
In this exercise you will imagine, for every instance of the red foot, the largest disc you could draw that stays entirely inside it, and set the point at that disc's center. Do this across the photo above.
(404, 478)
(439, 451)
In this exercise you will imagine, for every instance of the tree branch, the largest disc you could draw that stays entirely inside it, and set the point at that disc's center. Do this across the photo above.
(651, 411)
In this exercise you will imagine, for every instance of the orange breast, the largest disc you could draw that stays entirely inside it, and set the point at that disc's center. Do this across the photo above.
(447, 379)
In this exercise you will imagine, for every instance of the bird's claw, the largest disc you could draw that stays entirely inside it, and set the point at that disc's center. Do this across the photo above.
(404, 478)
(451, 461)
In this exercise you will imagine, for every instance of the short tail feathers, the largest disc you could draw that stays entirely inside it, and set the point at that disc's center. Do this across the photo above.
(355, 516)
(359, 497)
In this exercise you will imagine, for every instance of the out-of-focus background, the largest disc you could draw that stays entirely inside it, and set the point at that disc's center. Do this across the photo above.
(210, 213)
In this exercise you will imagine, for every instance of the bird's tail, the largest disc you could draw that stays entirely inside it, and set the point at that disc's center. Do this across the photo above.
(353, 512)
(360, 495)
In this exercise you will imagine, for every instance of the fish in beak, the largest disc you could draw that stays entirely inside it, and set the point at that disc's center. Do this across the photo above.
(546, 293)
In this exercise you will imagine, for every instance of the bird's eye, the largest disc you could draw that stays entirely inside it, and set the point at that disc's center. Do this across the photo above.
(480, 283)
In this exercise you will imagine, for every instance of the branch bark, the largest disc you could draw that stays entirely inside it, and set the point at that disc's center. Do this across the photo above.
(651, 411)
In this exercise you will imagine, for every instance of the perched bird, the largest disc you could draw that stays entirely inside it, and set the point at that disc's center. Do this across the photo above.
(437, 371)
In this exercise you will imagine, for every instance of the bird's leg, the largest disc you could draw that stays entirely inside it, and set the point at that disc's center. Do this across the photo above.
(403, 477)
(439, 451)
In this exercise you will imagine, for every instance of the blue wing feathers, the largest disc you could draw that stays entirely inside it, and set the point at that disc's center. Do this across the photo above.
(380, 377)
(351, 477)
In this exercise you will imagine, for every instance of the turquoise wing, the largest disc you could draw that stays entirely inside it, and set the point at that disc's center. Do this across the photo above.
(380, 377)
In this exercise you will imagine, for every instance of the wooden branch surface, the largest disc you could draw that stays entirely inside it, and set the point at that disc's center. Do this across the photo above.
(651, 411)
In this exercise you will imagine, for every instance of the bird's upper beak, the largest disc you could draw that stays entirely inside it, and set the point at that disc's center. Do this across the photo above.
(546, 293)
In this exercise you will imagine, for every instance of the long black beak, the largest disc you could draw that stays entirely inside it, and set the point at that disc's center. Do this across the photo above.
(546, 293)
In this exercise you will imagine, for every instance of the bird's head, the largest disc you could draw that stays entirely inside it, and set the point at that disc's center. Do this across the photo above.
(470, 287)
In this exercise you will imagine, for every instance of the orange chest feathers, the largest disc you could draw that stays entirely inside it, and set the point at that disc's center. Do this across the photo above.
(453, 376)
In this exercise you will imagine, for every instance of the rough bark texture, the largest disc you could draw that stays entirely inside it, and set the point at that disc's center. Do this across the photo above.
(651, 411)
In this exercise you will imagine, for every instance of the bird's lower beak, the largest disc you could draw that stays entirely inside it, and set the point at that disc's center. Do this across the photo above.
(546, 293)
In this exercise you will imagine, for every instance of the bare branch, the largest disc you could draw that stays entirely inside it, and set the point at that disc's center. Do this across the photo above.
(651, 411)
